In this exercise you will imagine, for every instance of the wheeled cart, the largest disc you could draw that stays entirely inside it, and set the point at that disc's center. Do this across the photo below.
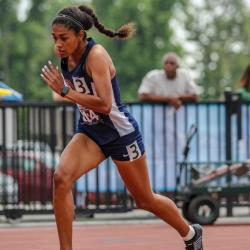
(203, 188)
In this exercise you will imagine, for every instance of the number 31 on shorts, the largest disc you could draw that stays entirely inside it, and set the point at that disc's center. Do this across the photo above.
(134, 151)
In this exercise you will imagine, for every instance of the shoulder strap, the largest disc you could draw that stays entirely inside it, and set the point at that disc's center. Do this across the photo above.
(90, 44)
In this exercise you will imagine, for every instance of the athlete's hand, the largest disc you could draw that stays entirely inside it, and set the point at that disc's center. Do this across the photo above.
(53, 77)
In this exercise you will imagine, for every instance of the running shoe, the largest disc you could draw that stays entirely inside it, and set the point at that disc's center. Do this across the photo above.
(196, 242)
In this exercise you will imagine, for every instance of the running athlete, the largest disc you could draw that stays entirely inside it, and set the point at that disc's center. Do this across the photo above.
(105, 128)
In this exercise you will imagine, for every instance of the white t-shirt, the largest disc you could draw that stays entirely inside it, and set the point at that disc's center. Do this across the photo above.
(156, 82)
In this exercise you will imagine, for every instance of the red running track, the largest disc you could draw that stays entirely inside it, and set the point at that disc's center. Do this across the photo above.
(123, 237)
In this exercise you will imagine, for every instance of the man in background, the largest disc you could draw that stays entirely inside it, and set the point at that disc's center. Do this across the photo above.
(170, 85)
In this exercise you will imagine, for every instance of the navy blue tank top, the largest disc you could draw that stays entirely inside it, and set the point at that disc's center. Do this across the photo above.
(102, 128)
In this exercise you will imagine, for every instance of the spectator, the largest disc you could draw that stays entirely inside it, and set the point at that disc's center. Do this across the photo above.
(170, 84)
(245, 84)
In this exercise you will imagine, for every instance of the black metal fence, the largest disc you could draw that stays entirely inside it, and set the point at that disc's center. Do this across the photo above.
(32, 136)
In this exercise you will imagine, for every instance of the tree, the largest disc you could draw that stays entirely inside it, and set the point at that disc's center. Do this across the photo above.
(31, 49)
(7, 23)
(27, 46)
(134, 57)
(219, 31)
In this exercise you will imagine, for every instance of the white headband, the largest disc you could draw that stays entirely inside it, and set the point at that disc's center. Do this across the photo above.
(71, 19)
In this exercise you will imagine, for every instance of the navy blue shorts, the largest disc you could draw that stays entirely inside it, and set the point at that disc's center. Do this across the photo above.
(126, 148)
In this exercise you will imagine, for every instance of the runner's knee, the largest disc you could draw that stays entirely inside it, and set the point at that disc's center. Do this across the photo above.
(146, 202)
(61, 181)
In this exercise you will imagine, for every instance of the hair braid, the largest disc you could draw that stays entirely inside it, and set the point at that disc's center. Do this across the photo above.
(123, 32)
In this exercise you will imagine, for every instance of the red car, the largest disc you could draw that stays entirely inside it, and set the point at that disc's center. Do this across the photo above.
(32, 170)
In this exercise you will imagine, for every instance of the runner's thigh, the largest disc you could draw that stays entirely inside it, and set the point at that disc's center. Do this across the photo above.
(135, 176)
(80, 156)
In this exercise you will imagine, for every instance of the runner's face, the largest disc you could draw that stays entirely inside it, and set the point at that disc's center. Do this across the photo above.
(66, 40)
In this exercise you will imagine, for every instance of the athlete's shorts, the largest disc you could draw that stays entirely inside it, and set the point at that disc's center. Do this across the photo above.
(126, 148)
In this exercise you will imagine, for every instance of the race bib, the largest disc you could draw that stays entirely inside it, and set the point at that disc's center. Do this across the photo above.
(88, 115)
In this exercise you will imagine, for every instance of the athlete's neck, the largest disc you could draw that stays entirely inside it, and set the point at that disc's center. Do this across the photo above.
(76, 56)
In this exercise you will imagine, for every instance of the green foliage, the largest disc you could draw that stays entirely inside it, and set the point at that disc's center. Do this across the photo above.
(7, 22)
(220, 31)
(134, 57)
(26, 45)
(218, 28)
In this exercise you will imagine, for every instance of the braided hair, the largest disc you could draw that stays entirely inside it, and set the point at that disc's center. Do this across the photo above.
(83, 18)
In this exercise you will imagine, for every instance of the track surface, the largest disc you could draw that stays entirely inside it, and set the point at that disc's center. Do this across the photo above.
(155, 236)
